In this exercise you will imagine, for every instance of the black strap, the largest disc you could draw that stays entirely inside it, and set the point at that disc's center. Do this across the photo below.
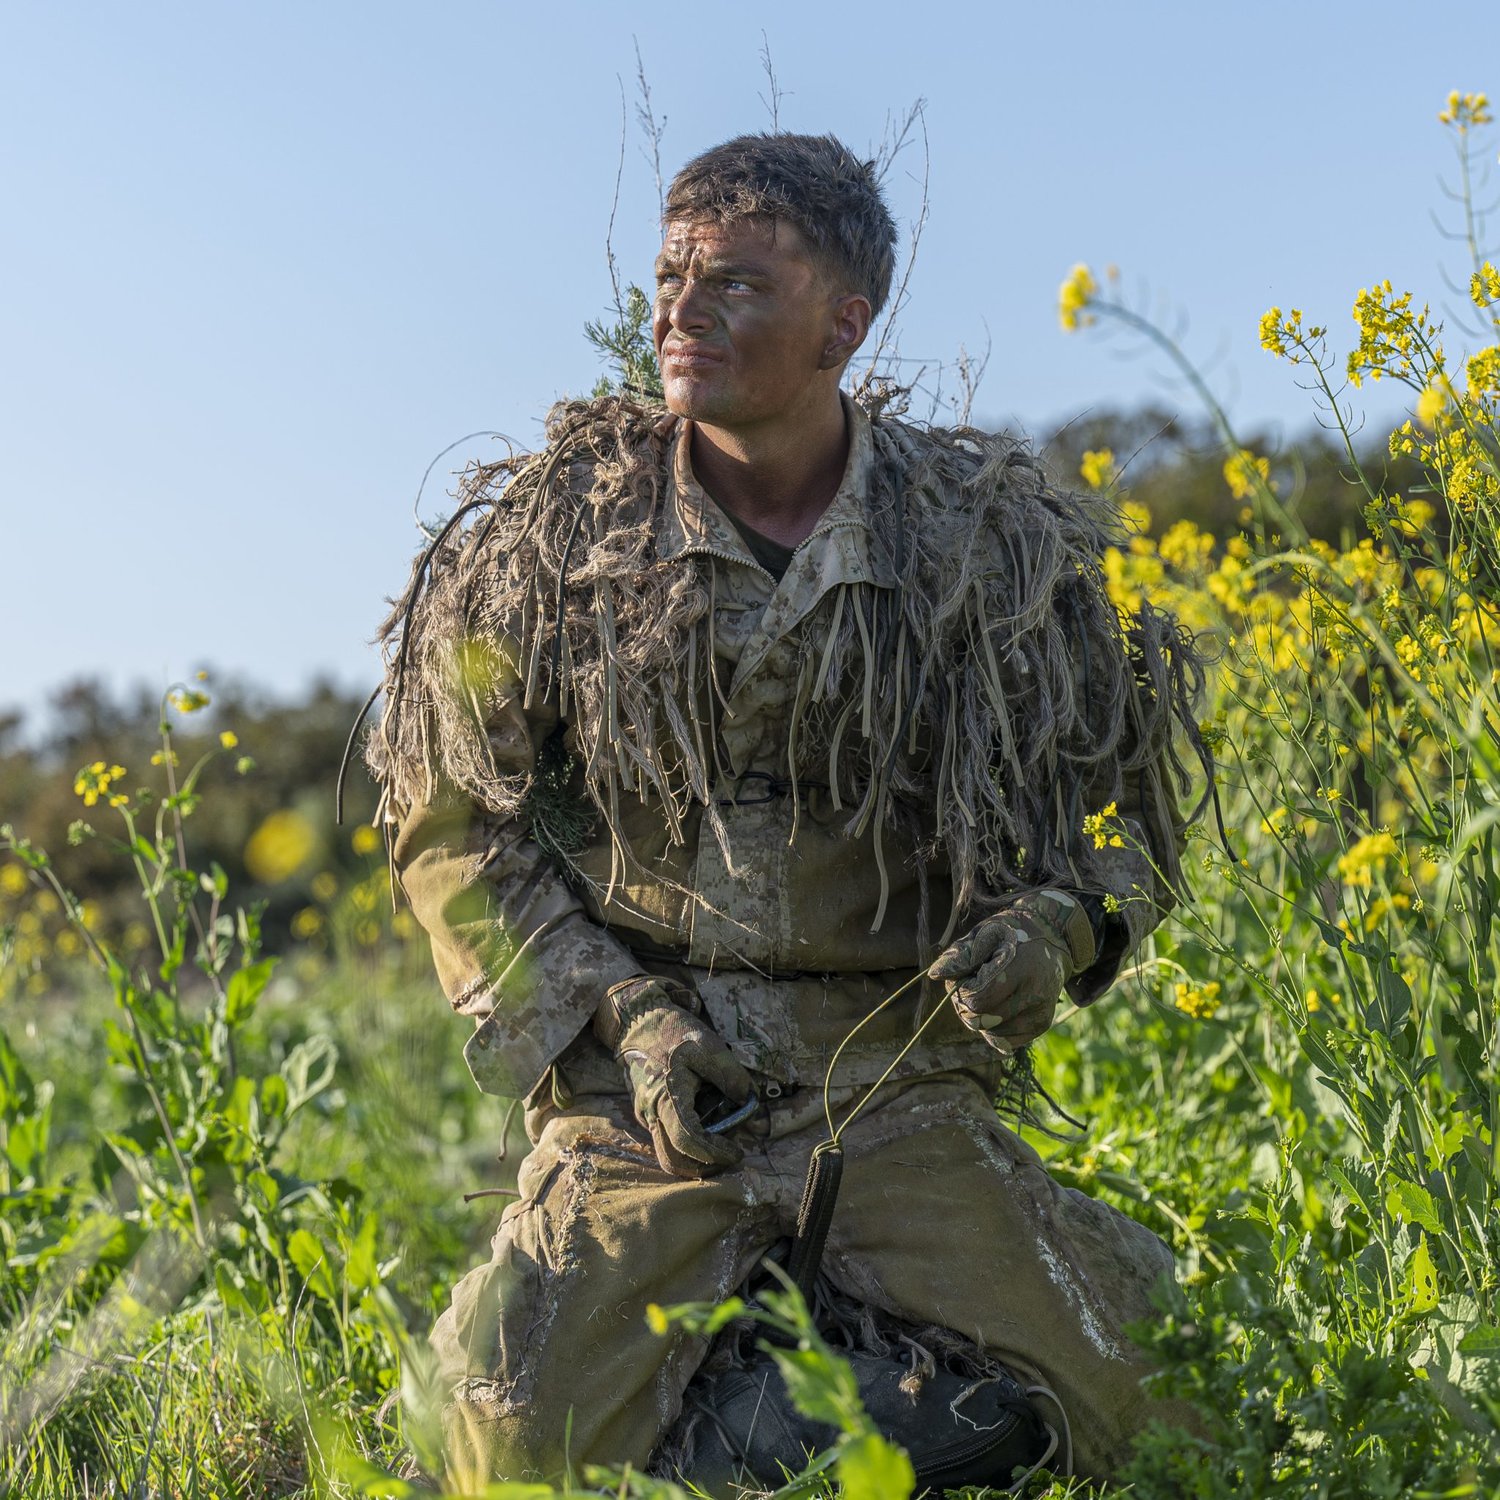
(819, 1194)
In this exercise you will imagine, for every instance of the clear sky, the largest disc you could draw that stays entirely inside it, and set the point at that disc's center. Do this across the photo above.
(260, 262)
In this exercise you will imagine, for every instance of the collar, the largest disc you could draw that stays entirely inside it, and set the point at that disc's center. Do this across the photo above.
(694, 522)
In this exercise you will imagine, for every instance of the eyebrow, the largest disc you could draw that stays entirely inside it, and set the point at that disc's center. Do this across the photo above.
(712, 266)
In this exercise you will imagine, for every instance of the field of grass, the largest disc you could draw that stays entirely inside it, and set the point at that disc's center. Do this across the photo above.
(233, 1188)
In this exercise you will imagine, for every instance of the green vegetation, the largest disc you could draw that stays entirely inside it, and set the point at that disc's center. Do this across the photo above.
(233, 1184)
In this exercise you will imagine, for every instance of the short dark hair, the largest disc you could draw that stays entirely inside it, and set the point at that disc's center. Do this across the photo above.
(813, 182)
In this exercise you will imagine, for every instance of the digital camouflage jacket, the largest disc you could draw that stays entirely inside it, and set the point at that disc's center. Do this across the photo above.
(612, 743)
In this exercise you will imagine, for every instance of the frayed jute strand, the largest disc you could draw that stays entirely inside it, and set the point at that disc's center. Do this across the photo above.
(997, 671)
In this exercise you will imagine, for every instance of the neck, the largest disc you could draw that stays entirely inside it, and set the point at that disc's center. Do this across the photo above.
(778, 481)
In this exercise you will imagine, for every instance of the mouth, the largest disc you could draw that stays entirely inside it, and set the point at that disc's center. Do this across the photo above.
(686, 357)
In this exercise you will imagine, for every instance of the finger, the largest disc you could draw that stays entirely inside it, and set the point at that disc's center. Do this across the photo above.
(716, 1065)
(987, 999)
(1026, 1025)
(972, 952)
(683, 1146)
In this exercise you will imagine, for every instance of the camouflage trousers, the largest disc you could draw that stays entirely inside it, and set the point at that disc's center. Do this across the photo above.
(944, 1216)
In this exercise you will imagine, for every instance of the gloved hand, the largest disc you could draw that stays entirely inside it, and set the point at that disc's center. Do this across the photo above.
(669, 1055)
(1005, 976)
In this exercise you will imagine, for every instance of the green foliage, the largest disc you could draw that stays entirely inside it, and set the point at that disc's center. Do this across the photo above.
(230, 1181)
(625, 346)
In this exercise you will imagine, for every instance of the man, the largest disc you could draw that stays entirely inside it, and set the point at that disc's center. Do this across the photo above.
(706, 731)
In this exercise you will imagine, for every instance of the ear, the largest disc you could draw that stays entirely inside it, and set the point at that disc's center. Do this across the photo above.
(850, 323)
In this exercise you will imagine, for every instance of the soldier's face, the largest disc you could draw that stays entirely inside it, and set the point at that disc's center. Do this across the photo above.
(746, 325)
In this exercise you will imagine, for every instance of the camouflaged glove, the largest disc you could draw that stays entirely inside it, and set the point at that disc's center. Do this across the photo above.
(1005, 976)
(670, 1056)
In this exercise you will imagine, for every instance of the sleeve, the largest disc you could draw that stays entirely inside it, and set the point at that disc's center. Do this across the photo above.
(1133, 826)
(1133, 887)
(513, 946)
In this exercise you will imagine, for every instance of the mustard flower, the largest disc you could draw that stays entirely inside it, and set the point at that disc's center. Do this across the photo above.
(1363, 860)
(94, 781)
(1242, 472)
(1200, 1001)
(1466, 111)
(1074, 296)
(366, 839)
(280, 846)
(1097, 826)
(1098, 468)
(1484, 285)
(1434, 400)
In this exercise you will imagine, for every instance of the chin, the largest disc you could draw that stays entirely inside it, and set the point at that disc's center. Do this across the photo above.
(698, 400)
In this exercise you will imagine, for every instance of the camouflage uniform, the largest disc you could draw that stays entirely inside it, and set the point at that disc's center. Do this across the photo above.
(790, 925)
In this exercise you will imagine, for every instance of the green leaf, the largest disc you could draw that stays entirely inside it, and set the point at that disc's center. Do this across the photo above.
(273, 1096)
(870, 1468)
(820, 1384)
(1413, 1203)
(1421, 1279)
(246, 986)
(362, 1270)
(1389, 1010)
(1358, 1185)
(1482, 1341)
(312, 1260)
(16, 1089)
(372, 1480)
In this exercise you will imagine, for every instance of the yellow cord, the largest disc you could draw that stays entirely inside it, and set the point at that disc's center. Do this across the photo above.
(834, 1134)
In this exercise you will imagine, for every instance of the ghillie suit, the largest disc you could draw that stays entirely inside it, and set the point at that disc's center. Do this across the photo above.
(613, 744)
(980, 709)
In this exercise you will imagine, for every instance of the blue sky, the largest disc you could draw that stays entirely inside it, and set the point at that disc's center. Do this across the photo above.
(262, 262)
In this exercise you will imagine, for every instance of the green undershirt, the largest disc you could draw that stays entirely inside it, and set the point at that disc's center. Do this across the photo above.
(772, 556)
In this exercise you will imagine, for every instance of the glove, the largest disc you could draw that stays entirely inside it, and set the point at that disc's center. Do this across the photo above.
(1005, 976)
(669, 1055)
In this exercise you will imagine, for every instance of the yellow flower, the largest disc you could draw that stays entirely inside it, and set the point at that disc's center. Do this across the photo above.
(1359, 864)
(366, 839)
(325, 885)
(1434, 400)
(656, 1320)
(228, 739)
(164, 758)
(1483, 370)
(189, 701)
(1243, 471)
(1186, 548)
(280, 847)
(1484, 285)
(1098, 468)
(1465, 111)
(1097, 825)
(1074, 296)
(308, 923)
(12, 879)
(1200, 1001)
(94, 781)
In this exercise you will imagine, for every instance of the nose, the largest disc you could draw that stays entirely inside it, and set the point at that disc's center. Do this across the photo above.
(689, 311)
